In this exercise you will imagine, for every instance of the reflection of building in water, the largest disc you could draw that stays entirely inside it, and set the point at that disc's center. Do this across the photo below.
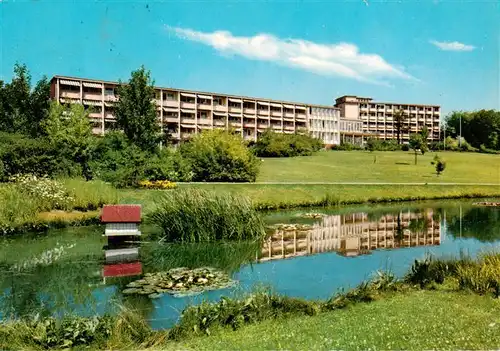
(355, 234)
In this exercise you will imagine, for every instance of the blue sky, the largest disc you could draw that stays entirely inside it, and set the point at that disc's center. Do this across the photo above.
(436, 52)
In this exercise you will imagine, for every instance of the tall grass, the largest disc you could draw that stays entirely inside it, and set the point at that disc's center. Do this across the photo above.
(15, 208)
(194, 215)
(90, 195)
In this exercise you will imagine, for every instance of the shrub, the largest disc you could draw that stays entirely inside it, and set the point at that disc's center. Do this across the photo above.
(20, 154)
(405, 147)
(193, 215)
(374, 144)
(219, 156)
(123, 164)
(439, 164)
(347, 147)
(271, 144)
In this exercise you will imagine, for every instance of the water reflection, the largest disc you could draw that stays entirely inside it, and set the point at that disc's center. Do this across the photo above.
(121, 258)
(354, 234)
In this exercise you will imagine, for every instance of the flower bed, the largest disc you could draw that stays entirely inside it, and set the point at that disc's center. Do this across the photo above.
(157, 184)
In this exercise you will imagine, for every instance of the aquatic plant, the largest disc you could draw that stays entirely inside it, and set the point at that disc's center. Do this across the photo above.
(179, 282)
(45, 258)
(193, 215)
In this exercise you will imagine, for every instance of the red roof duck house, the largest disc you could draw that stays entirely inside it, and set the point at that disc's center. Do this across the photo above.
(122, 231)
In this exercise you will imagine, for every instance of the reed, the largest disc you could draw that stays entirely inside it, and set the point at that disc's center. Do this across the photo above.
(194, 215)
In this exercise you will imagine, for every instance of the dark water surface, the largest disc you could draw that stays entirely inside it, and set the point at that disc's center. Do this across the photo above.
(65, 271)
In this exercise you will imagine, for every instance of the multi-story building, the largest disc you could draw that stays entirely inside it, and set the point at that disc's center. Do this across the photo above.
(377, 117)
(183, 113)
(354, 234)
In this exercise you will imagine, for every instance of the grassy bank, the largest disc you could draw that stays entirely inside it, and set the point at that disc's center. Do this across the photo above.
(439, 304)
(419, 320)
(278, 196)
(391, 166)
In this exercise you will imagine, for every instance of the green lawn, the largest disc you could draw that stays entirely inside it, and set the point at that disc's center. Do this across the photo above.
(397, 166)
(416, 321)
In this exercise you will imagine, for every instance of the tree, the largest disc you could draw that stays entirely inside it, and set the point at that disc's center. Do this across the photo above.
(136, 111)
(439, 164)
(371, 145)
(424, 133)
(69, 129)
(417, 144)
(22, 110)
(400, 118)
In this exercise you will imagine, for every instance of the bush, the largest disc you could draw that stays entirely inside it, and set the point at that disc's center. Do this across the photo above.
(271, 144)
(347, 147)
(219, 156)
(374, 144)
(405, 147)
(193, 215)
(21, 155)
(482, 149)
(123, 164)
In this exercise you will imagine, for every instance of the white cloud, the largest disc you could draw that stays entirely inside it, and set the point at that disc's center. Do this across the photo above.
(452, 45)
(341, 59)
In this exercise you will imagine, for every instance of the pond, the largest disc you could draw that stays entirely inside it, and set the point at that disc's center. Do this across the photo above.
(67, 271)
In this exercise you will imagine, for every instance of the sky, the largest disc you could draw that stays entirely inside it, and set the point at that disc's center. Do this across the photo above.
(412, 51)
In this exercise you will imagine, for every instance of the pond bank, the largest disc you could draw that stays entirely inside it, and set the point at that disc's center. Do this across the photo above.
(277, 196)
(434, 289)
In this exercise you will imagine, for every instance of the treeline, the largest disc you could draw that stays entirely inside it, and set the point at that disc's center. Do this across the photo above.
(479, 129)
(41, 137)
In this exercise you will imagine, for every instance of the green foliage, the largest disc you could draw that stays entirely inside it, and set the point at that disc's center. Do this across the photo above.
(483, 277)
(234, 313)
(68, 129)
(347, 147)
(21, 108)
(192, 215)
(417, 143)
(118, 161)
(21, 154)
(271, 144)
(405, 147)
(374, 144)
(220, 156)
(136, 111)
(49, 194)
(439, 164)
(478, 127)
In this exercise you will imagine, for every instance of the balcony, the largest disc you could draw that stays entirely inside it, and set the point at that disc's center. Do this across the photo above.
(220, 123)
(92, 96)
(249, 124)
(171, 103)
(249, 137)
(220, 108)
(204, 121)
(109, 117)
(263, 125)
(276, 126)
(234, 124)
(289, 127)
(263, 112)
(188, 105)
(204, 107)
(95, 115)
(289, 115)
(185, 120)
(70, 94)
(250, 111)
(175, 135)
(171, 119)
(234, 109)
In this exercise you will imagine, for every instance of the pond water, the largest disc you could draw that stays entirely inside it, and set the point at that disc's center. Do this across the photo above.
(65, 271)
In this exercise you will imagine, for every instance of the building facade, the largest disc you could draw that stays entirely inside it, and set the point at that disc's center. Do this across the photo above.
(377, 117)
(183, 113)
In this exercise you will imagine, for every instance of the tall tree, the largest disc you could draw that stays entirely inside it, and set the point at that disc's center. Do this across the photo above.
(69, 129)
(136, 110)
(22, 110)
(424, 132)
(400, 118)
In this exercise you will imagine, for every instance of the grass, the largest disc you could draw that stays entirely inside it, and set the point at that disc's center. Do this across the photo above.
(391, 166)
(194, 215)
(413, 321)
